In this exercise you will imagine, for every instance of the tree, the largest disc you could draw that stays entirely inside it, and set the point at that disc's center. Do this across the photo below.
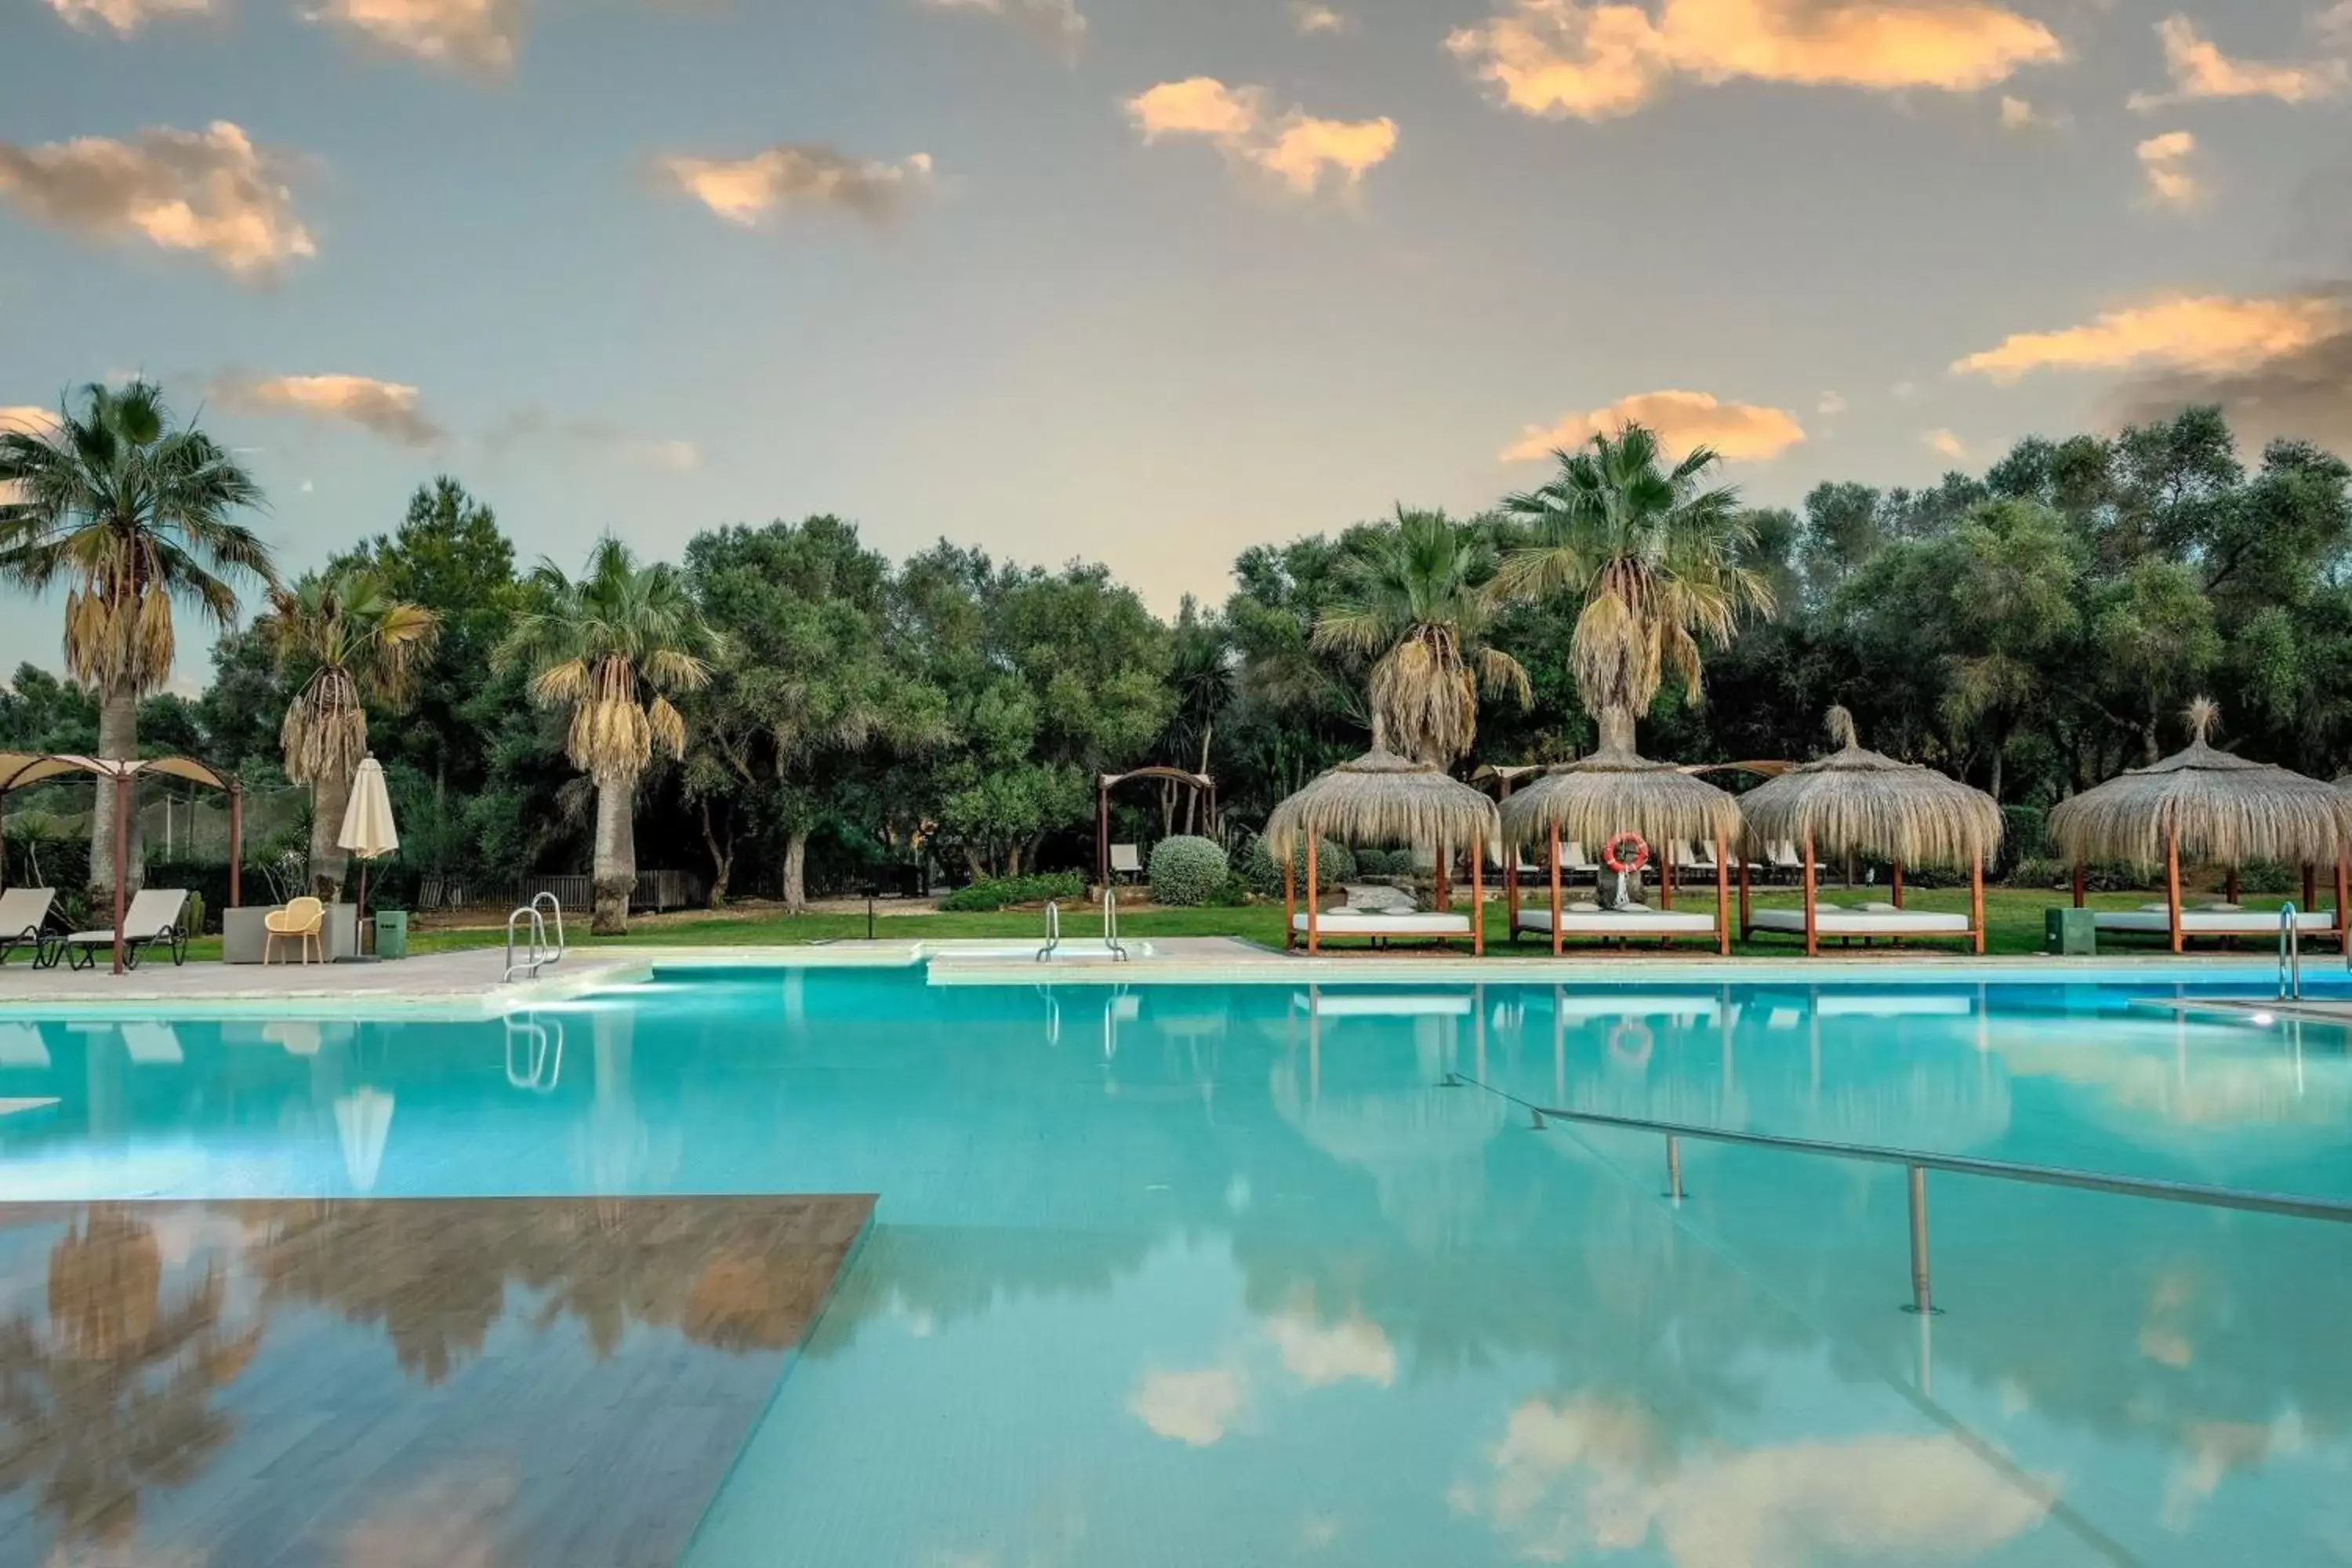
(1653, 561)
(607, 651)
(1416, 602)
(132, 513)
(2012, 574)
(809, 690)
(1201, 683)
(361, 646)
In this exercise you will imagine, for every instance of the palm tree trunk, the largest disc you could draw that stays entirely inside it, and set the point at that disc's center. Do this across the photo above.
(616, 869)
(796, 872)
(330, 797)
(1616, 728)
(118, 737)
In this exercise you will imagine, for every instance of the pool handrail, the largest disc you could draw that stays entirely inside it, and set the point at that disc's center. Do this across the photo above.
(2290, 964)
(2332, 1210)
(1053, 930)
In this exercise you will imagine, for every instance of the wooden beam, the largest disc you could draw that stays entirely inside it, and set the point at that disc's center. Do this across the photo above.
(2172, 885)
(1812, 934)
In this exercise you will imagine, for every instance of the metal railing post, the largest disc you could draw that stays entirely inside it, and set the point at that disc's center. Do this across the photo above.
(1923, 1296)
(2290, 963)
(1675, 1168)
(1053, 930)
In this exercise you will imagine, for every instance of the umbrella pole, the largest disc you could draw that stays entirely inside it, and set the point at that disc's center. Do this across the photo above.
(1976, 899)
(2310, 887)
(1745, 931)
(1898, 884)
(359, 920)
(1554, 889)
(1478, 927)
(1313, 938)
(2343, 931)
(2172, 886)
(1722, 900)
(122, 857)
(2078, 884)
(1289, 904)
(1812, 936)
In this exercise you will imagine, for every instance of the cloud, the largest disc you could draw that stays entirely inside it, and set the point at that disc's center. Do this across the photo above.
(125, 17)
(608, 438)
(1059, 24)
(2172, 181)
(2019, 114)
(1587, 1475)
(385, 408)
(210, 191)
(1604, 58)
(1944, 444)
(478, 36)
(1194, 1408)
(27, 419)
(1831, 406)
(2209, 333)
(1739, 431)
(2199, 70)
(1297, 150)
(1317, 1356)
(794, 177)
(1308, 18)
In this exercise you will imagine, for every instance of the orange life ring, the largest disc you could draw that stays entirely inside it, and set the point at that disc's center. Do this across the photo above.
(1621, 864)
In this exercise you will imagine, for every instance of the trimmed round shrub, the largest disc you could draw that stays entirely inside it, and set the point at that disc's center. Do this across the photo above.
(1333, 864)
(1187, 870)
(1383, 863)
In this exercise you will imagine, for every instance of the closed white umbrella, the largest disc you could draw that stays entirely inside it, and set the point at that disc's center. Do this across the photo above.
(368, 832)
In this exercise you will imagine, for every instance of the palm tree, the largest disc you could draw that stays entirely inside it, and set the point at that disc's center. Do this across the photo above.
(607, 649)
(1416, 598)
(130, 513)
(364, 645)
(1656, 560)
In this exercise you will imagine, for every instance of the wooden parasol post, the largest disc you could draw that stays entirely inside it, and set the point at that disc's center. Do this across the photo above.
(2343, 930)
(1554, 889)
(122, 857)
(1976, 901)
(1722, 900)
(2172, 885)
(2078, 884)
(1812, 934)
(1898, 884)
(1314, 936)
(1478, 913)
(1666, 876)
(1290, 905)
(2310, 887)
(1745, 931)
(235, 844)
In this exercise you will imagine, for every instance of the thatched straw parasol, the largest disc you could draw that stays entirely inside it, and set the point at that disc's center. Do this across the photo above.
(1858, 802)
(1613, 791)
(2206, 807)
(1383, 798)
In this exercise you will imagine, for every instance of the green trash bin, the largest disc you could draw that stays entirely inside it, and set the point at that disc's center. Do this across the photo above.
(2067, 930)
(391, 933)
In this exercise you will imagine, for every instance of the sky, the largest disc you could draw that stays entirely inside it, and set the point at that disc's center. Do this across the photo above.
(1147, 281)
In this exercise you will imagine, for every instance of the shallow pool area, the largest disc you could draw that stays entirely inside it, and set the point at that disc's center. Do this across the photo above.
(1202, 1273)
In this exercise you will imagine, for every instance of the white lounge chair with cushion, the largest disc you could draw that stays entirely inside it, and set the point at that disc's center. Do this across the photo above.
(1381, 925)
(1126, 861)
(24, 920)
(2214, 919)
(151, 921)
(1866, 920)
(1636, 922)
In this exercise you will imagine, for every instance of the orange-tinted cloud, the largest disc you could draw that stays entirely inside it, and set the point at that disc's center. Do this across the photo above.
(2168, 163)
(27, 419)
(1309, 18)
(2210, 334)
(474, 35)
(1739, 431)
(747, 191)
(210, 191)
(381, 407)
(1599, 61)
(1297, 150)
(122, 18)
(2200, 69)
(1944, 444)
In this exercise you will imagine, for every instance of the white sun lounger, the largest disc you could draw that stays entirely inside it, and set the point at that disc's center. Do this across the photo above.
(1352, 924)
(2213, 922)
(25, 919)
(1635, 1004)
(152, 1045)
(1390, 1006)
(1884, 1005)
(1862, 922)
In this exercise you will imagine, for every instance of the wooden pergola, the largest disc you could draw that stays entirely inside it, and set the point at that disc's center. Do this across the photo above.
(22, 770)
(1105, 782)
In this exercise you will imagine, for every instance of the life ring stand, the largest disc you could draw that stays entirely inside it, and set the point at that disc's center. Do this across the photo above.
(1633, 861)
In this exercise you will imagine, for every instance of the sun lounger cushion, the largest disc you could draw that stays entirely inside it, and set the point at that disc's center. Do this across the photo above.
(1593, 922)
(1353, 923)
(2211, 922)
(1829, 921)
(1378, 898)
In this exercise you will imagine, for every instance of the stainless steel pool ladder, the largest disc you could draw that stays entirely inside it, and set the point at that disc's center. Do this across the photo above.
(542, 952)
(1053, 930)
(543, 1054)
(2290, 970)
(1110, 925)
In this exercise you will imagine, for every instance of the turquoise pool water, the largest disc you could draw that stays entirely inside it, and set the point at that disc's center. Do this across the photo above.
(1199, 1274)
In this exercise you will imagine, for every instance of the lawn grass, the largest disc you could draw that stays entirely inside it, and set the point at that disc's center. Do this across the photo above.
(2013, 925)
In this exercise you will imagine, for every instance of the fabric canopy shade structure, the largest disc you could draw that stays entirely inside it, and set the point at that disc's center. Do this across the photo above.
(2208, 807)
(1382, 798)
(21, 770)
(367, 830)
(1612, 792)
(1857, 802)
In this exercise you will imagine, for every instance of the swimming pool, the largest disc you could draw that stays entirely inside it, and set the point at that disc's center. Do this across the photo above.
(1194, 1275)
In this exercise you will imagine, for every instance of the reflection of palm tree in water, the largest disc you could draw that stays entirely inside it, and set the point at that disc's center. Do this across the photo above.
(613, 1153)
(116, 1396)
